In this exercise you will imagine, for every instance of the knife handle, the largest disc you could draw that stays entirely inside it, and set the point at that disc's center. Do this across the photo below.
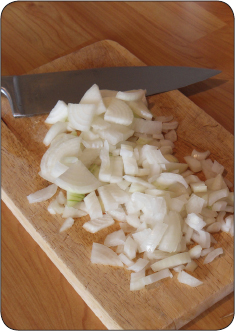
(8, 88)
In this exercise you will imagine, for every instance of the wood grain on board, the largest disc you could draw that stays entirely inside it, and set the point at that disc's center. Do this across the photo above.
(105, 289)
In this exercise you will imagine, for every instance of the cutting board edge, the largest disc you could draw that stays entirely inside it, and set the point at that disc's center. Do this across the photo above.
(98, 310)
(93, 304)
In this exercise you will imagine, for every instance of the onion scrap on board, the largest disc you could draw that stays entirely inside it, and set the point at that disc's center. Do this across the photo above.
(111, 160)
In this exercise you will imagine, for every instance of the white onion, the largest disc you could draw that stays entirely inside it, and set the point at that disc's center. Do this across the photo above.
(195, 252)
(68, 223)
(125, 260)
(43, 194)
(78, 179)
(138, 265)
(119, 112)
(212, 255)
(81, 115)
(102, 254)
(130, 248)
(55, 208)
(54, 130)
(93, 205)
(99, 223)
(131, 95)
(185, 278)
(58, 113)
(115, 238)
(171, 261)
(73, 212)
(93, 96)
(140, 109)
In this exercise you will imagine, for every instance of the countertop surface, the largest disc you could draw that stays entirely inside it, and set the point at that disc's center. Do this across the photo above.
(197, 34)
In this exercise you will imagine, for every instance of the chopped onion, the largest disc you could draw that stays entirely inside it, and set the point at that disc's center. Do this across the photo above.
(139, 265)
(212, 255)
(185, 278)
(78, 179)
(68, 223)
(58, 113)
(119, 112)
(43, 194)
(97, 224)
(93, 96)
(102, 254)
(93, 206)
(54, 130)
(115, 238)
(171, 261)
(195, 252)
(161, 204)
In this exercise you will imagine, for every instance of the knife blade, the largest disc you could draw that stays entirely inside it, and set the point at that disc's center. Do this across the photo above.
(35, 94)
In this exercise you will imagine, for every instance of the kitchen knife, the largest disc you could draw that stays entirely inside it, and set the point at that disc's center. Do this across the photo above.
(35, 94)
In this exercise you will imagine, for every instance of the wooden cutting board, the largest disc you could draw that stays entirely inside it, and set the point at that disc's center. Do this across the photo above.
(105, 289)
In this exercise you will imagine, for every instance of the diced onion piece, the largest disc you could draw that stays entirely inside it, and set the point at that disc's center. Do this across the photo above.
(146, 126)
(118, 112)
(207, 251)
(185, 278)
(194, 221)
(68, 223)
(133, 220)
(173, 234)
(43, 194)
(212, 255)
(200, 155)
(97, 224)
(78, 179)
(166, 179)
(217, 195)
(198, 187)
(195, 252)
(195, 204)
(150, 243)
(81, 115)
(116, 170)
(140, 109)
(125, 260)
(93, 96)
(104, 255)
(93, 205)
(194, 164)
(115, 238)
(138, 265)
(171, 135)
(217, 167)
(137, 280)
(171, 261)
(64, 146)
(61, 198)
(169, 126)
(73, 212)
(54, 130)
(130, 248)
(202, 238)
(55, 208)
(118, 214)
(130, 95)
(58, 113)
(108, 201)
